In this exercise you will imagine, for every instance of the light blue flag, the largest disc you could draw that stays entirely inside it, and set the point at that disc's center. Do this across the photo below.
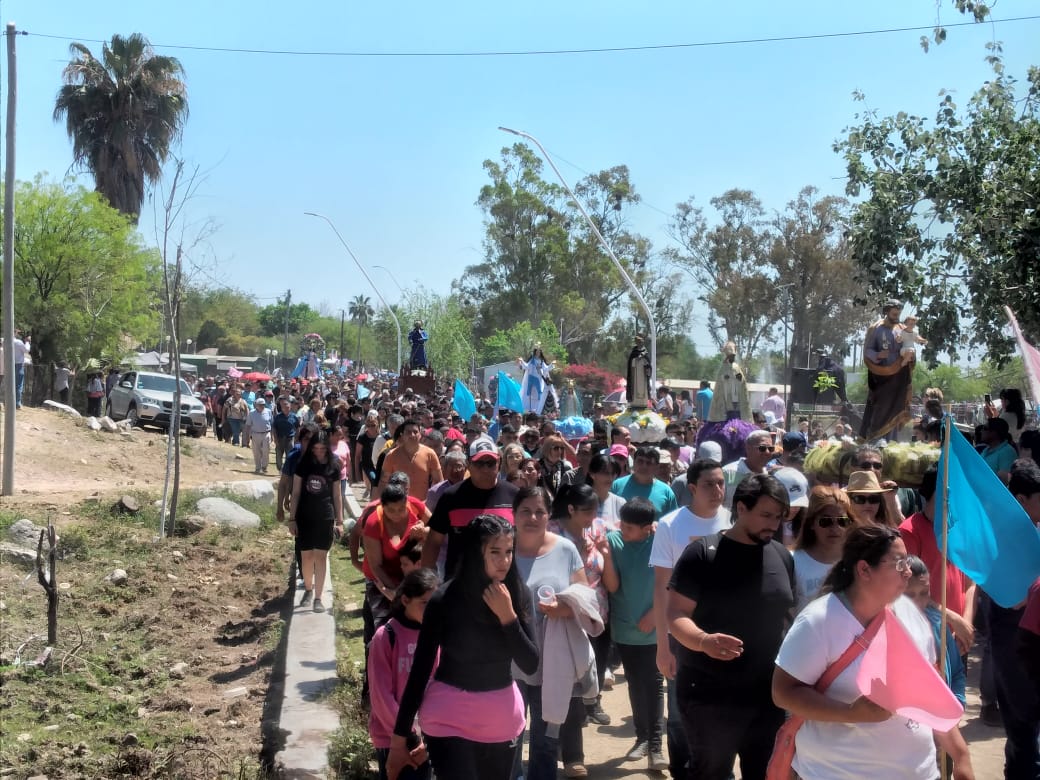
(991, 538)
(464, 403)
(363, 392)
(509, 393)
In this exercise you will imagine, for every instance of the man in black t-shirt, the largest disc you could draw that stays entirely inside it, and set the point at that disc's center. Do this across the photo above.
(730, 601)
(482, 493)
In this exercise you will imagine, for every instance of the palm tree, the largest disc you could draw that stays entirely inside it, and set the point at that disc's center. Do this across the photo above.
(122, 113)
(360, 311)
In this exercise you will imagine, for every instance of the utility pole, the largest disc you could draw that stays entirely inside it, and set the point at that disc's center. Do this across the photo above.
(342, 312)
(285, 342)
(8, 304)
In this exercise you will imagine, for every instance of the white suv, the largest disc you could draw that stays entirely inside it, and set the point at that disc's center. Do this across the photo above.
(146, 398)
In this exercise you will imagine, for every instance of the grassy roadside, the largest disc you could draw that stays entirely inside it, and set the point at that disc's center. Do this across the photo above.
(164, 676)
(350, 750)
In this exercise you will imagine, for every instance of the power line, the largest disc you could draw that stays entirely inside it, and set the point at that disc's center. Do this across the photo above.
(546, 52)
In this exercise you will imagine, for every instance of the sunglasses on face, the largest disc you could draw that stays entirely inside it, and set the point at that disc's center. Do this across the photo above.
(827, 522)
(870, 465)
(865, 499)
(764, 448)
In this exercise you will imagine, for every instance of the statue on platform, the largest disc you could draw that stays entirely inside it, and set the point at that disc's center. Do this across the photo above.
(730, 399)
(889, 383)
(535, 384)
(570, 403)
(637, 390)
(418, 338)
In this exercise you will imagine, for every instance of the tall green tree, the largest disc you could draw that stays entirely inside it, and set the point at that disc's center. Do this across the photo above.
(83, 280)
(541, 260)
(816, 285)
(729, 264)
(273, 318)
(949, 217)
(122, 112)
(360, 312)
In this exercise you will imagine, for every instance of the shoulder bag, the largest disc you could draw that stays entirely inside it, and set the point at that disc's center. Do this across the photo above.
(783, 748)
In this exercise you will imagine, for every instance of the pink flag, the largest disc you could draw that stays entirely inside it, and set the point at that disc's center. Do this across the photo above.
(1030, 355)
(894, 675)
(234, 373)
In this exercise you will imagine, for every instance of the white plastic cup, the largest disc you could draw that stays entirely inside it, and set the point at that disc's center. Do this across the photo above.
(546, 595)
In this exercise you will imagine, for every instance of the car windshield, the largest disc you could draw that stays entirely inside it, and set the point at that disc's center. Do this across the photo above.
(163, 384)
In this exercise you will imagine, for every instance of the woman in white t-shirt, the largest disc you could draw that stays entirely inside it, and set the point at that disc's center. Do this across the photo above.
(820, 541)
(845, 735)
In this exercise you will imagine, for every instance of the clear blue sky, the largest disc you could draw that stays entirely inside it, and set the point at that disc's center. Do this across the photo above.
(391, 148)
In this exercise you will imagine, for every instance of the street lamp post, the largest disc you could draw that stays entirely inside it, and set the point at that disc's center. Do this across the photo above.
(651, 324)
(393, 278)
(361, 268)
(267, 356)
(274, 359)
(187, 343)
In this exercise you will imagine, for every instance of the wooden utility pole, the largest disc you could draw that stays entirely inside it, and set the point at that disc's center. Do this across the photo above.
(8, 299)
(285, 342)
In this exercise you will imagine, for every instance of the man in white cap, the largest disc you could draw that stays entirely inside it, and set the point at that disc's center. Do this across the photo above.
(258, 434)
(797, 487)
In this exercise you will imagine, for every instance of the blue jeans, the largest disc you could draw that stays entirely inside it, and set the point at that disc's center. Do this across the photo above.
(542, 749)
(236, 430)
(19, 384)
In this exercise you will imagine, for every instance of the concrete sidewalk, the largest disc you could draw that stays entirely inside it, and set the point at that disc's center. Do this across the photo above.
(310, 675)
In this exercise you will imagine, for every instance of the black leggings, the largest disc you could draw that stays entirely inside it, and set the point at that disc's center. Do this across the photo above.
(455, 758)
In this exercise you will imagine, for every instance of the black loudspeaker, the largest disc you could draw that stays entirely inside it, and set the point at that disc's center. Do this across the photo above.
(802, 392)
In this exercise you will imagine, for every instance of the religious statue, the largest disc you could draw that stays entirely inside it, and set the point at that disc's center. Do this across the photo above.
(730, 399)
(889, 383)
(570, 404)
(418, 338)
(637, 390)
(535, 384)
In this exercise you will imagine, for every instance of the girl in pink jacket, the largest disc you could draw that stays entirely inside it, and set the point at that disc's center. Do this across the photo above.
(390, 660)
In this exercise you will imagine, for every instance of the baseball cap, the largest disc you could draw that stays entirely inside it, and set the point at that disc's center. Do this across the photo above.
(709, 450)
(792, 440)
(260, 402)
(796, 484)
(483, 448)
(664, 457)
(619, 449)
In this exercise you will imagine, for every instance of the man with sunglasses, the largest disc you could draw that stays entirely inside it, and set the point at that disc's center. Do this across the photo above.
(758, 451)
(481, 493)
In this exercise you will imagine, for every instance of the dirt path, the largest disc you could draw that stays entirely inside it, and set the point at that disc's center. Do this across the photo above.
(59, 463)
(605, 746)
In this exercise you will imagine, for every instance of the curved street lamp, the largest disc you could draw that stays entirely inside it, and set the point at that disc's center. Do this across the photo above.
(361, 268)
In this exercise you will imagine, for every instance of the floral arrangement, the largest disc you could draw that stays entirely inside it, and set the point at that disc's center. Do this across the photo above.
(646, 426)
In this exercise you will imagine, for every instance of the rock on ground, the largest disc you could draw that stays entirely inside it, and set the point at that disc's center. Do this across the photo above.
(108, 425)
(117, 577)
(255, 489)
(59, 407)
(224, 512)
(22, 556)
(24, 533)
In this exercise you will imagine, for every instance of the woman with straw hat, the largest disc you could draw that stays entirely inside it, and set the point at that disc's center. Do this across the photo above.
(870, 503)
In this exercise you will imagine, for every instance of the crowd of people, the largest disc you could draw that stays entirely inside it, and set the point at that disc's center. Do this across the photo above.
(513, 574)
